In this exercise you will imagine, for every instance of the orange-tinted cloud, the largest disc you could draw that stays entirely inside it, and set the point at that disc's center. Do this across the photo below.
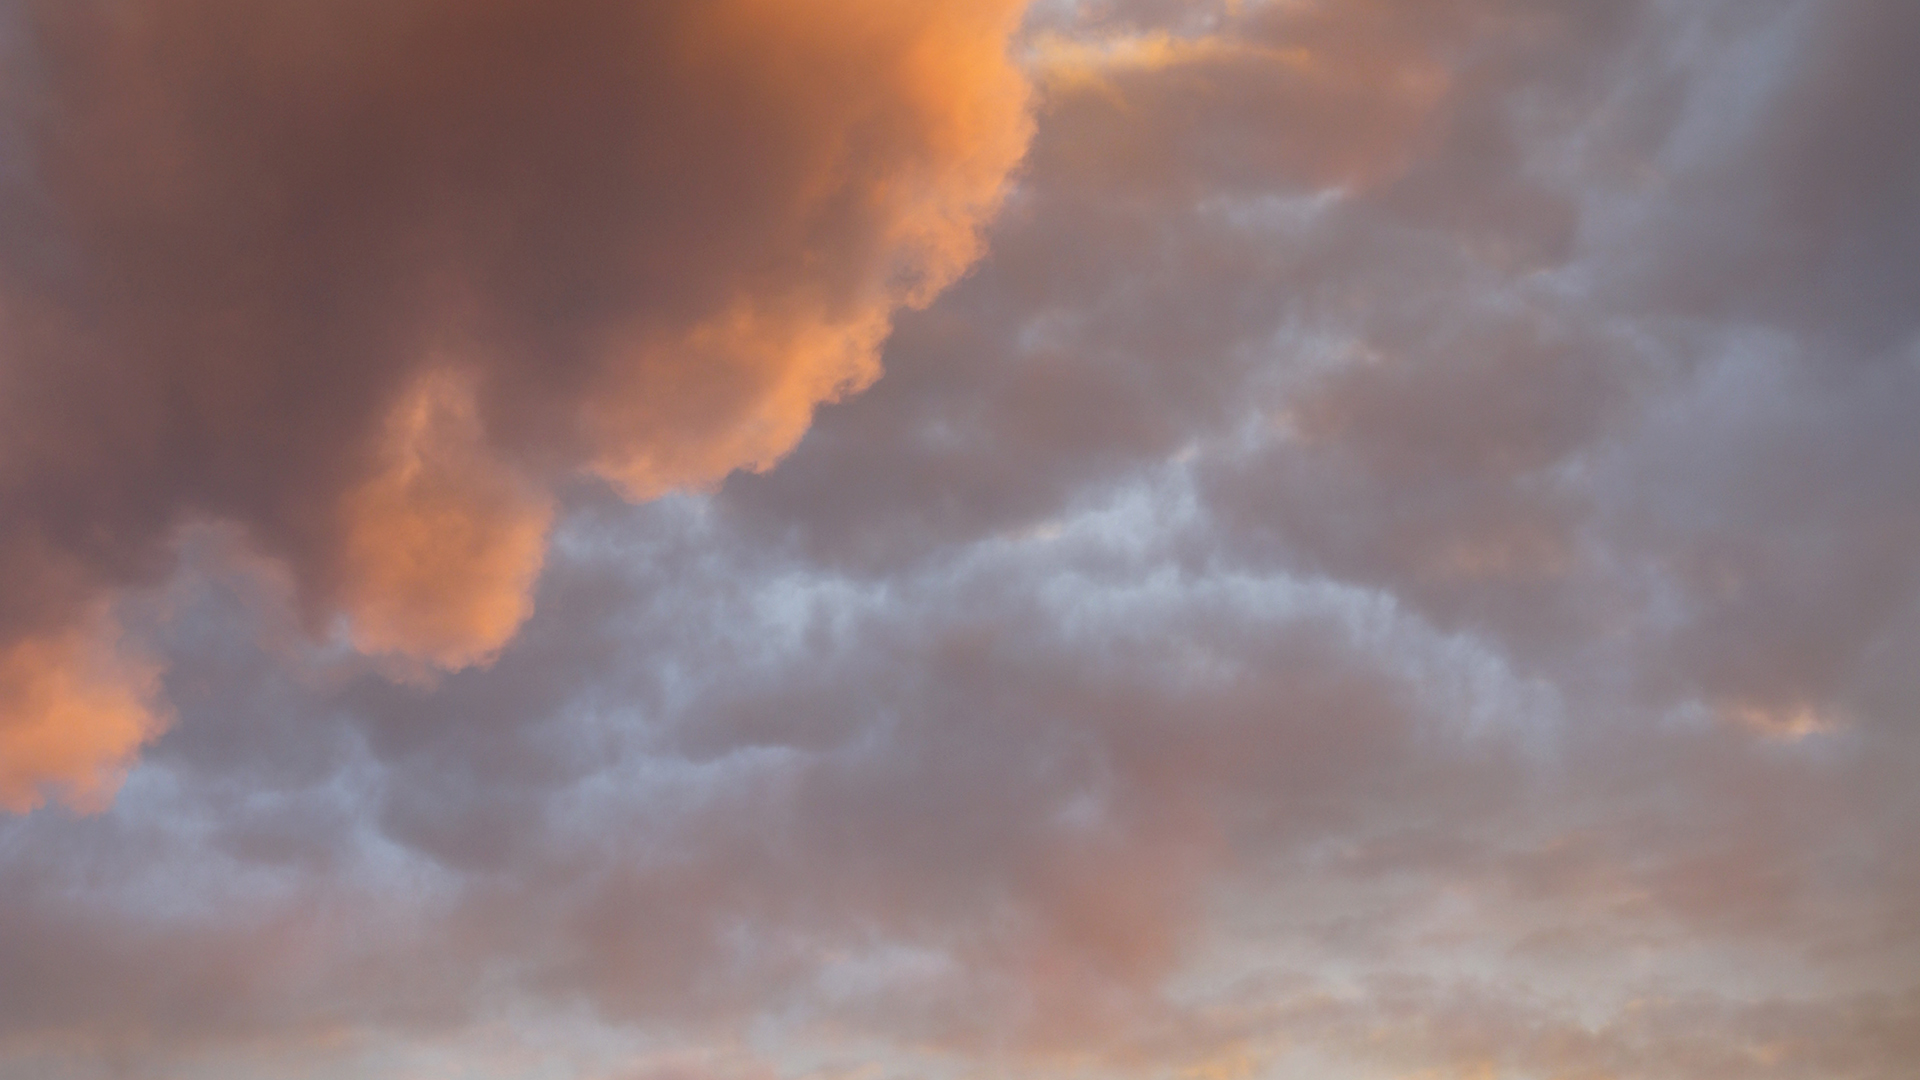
(441, 546)
(73, 714)
(368, 279)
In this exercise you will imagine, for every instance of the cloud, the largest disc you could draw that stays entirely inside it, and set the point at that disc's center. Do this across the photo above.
(78, 710)
(442, 546)
(1362, 580)
(369, 280)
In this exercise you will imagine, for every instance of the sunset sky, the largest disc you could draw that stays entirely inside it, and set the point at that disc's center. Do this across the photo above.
(960, 539)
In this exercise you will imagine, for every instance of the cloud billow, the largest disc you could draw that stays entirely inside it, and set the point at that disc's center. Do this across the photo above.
(368, 279)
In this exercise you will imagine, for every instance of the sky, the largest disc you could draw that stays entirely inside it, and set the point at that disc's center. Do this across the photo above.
(951, 539)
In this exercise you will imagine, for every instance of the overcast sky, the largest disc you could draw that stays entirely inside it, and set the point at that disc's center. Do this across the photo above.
(897, 539)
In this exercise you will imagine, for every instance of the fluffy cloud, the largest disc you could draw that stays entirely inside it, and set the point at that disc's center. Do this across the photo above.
(77, 711)
(368, 280)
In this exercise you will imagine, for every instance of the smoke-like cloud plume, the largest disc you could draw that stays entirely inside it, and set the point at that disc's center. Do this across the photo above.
(368, 279)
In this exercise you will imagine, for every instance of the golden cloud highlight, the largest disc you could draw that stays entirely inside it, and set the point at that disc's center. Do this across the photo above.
(74, 712)
(443, 543)
(737, 389)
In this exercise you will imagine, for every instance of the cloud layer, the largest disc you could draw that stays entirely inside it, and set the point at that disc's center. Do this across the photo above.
(1399, 562)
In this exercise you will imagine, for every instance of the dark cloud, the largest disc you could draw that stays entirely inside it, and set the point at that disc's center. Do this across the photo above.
(366, 279)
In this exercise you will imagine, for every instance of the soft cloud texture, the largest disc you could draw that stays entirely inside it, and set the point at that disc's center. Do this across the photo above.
(1396, 564)
(77, 711)
(369, 279)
